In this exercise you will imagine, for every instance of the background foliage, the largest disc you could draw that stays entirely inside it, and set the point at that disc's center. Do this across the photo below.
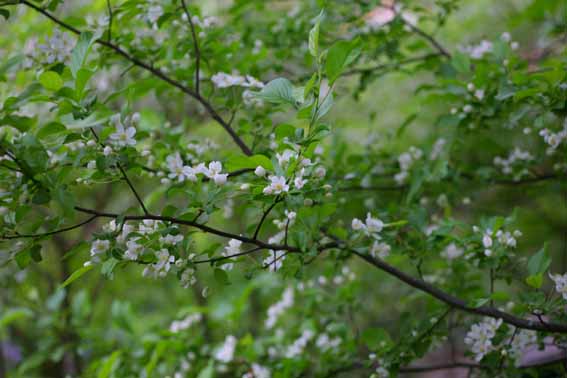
(444, 120)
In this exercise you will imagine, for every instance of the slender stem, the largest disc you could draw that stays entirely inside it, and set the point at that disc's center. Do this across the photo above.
(195, 46)
(393, 65)
(221, 258)
(110, 19)
(264, 216)
(124, 175)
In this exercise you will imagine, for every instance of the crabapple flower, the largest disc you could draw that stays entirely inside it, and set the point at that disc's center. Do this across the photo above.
(99, 247)
(162, 266)
(107, 150)
(320, 172)
(214, 173)
(277, 185)
(560, 283)
(380, 250)
(299, 344)
(133, 249)
(260, 171)
(275, 260)
(285, 157)
(480, 336)
(226, 352)
(178, 170)
(357, 224)
(373, 225)
(452, 252)
(258, 371)
(124, 135)
(171, 239)
(233, 247)
(299, 182)
(278, 308)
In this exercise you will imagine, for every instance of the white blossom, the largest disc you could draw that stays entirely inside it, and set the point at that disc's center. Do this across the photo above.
(479, 338)
(560, 283)
(260, 171)
(124, 135)
(277, 185)
(225, 353)
(452, 251)
(99, 247)
(278, 308)
(380, 250)
(133, 249)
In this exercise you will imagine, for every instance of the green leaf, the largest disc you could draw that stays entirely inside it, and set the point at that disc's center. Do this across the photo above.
(221, 277)
(92, 120)
(314, 35)
(81, 51)
(51, 80)
(208, 372)
(278, 91)
(339, 56)
(76, 275)
(535, 280)
(24, 257)
(242, 162)
(109, 365)
(5, 13)
(12, 315)
(50, 129)
(538, 263)
(461, 62)
(478, 302)
(376, 338)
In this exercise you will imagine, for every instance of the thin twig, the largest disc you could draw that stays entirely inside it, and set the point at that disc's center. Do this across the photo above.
(59, 231)
(195, 46)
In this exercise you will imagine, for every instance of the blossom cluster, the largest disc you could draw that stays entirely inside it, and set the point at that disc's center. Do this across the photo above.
(180, 172)
(55, 49)
(560, 281)
(406, 162)
(151, 239)
(278, 308)
(554, 139)
(516, 158)
(500, 239)
(181, 325)
(479, 338)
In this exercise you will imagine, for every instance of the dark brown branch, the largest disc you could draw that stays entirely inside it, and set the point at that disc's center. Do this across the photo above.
(199, 226)
(442, 50)
(459, 303)
(156, 72)
(195, 46)
(221, 258)
(264, 216)
(59, 231)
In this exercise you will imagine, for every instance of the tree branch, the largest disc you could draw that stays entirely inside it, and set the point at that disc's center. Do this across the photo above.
(61, 230)
(393, 65)
(457, 302)
(154, 71)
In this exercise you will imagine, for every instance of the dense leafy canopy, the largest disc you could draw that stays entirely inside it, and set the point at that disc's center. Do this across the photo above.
(283, 188)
